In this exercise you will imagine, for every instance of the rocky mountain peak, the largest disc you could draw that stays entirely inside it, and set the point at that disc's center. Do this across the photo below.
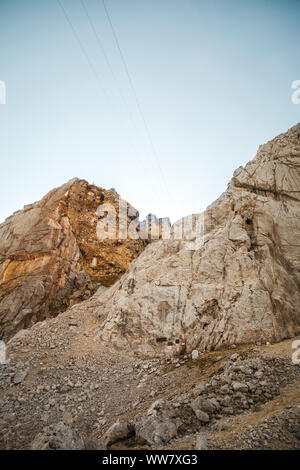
(241, 285)
(184, 350)
(51, 257)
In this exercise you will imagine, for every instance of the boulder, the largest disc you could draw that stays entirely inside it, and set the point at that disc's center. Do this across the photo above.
(19, 376)
(195, 354)
(201, 442)
(159, 425)
(202, 416)
(203, 404)
(59, 436)
(240, 387)
(94, 444)
(119, 431)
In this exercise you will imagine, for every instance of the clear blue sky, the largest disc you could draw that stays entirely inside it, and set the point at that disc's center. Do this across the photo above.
(213, 79)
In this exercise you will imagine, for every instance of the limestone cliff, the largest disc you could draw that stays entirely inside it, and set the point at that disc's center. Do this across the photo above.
(242, 285)
(50, 256)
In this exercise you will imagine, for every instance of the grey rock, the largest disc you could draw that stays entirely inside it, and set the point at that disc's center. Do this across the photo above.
(239, 387)
(201, 415)
(19, 335)
(19, 376)
(224, 389)
(119, 431)
(59, 436)
(259, 211)
(199, 388)
(195, 354)
(159, 425)
(201, 442)
(297, 434)
(203, 404)
(234, 356)
(258, 374)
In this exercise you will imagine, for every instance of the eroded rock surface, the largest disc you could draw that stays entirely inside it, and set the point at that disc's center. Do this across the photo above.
(242, 285)
(57, 437)
(51, 257)
(72, 378)
(97, 369)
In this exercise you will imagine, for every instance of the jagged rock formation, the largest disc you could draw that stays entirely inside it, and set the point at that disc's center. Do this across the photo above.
(243, 283)
(83, 378)
(50, 256)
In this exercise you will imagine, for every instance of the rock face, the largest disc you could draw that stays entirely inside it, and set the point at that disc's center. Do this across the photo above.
(160, 424)
(118, 432)
(57, 437)
(50, 256)
(242, 285)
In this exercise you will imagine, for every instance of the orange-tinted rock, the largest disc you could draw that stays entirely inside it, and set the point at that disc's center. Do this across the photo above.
(51, 258)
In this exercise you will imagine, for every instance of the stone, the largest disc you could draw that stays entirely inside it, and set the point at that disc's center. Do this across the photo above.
(258, 374)
(195, 354)
(199, 388)
(19, 376)
(158, 405)
(20, 335)
(234, 357)
(159, 425)
(215, 403)
(239, 387)
(67, 417)
(94, 444)
(201, 442)
(228, 410)
(88, 361)
(203, 404)
(59, 436)
(218, 358)
(225, 389)
(119, 431)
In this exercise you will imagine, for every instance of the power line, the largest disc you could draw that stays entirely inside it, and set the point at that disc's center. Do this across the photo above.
(135, 94)
(96, 75)
(99, 42)
(84, 52)
(82, 48)
(101, 47)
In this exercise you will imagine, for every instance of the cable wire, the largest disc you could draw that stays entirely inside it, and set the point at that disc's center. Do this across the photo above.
(81, 46)
(101, 47)
(135, 95)
(84, 52)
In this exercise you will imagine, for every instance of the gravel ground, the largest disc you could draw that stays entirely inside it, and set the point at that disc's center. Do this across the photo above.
(246, 397)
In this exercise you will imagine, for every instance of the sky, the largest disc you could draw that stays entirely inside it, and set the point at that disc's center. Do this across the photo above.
(164, 114)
